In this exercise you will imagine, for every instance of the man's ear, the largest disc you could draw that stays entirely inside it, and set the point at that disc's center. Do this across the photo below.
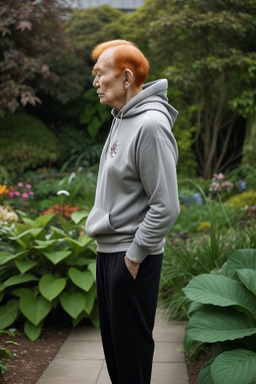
(128, 77)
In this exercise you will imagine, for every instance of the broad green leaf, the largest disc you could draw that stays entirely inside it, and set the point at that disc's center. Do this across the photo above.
(80, 261)
(19, 279)
(219, 290)
(77, 216)
(83, 280)
(84, 240)
(205, 376)
(8, 313)
(58, 232)
(21, 291)
(92, 269)
(78, 245)
(73, 303)
(56, 256)
(41, 244)
(212, 324)
(35, 309)
(29, 222)
(248, 278)
(32, 331)
(234, 367)
(24, 266)
(50, 287)
(90, 300)
(34, 232)
(241, 259)
(5, 257)
(43, 220)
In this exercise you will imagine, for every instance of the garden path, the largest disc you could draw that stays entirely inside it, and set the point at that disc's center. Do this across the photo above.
(81, 361)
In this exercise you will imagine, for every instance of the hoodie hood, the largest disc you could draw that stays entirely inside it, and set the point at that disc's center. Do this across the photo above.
(153, 97)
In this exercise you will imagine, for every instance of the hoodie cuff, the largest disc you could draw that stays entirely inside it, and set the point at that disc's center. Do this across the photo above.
(136, 254)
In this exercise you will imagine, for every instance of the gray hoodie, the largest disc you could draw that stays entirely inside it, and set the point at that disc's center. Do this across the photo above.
(136, 201)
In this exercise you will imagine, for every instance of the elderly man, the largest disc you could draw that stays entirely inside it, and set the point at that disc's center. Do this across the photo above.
(136, 204)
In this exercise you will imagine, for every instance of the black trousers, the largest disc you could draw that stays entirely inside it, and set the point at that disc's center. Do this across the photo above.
(127, 309)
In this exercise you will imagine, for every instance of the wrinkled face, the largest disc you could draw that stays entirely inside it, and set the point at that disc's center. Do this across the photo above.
(110, 89)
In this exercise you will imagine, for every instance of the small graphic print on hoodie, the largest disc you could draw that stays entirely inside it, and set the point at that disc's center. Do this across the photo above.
(113, 149)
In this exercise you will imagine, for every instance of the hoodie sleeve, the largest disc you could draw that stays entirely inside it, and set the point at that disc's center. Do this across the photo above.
(157, 167)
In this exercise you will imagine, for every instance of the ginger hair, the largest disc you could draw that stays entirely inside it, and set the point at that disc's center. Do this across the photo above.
(126, 55)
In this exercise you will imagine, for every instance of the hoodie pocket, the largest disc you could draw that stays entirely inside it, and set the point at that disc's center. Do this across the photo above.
(98, 223)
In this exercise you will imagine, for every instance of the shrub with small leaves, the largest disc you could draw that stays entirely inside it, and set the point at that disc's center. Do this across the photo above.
(247, 198)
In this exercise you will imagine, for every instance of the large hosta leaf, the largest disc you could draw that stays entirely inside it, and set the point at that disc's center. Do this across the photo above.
(241, 259)
(25, 265)
(212, 324)
(234, 367)
(33, 331)
(56, 256)
(221, 291)
(50, 287)
(73, 303)
(8, 313)
(248, 278)
(19, 279)
(205, 376)
(43, 220)
(83, 280)
(90, 300)
(6, 256)
(78, 216)
(35, 309)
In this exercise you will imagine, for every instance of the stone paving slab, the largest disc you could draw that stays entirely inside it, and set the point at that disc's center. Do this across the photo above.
(81, 360)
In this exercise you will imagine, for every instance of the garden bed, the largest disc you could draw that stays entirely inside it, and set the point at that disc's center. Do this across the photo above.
(32, 358)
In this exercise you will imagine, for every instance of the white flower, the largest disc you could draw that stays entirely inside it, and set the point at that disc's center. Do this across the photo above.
(71, 177)
(63, 192)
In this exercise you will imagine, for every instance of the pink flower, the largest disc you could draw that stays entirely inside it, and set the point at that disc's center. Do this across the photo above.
(20, 184)
(25, 195)
(31, 193)
(28, 186)
(16, 193)
(11, 193)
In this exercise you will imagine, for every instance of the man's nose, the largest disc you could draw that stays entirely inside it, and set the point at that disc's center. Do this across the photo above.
(95, 82)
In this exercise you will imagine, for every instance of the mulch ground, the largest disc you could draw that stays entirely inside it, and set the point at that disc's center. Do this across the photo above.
(32, 358)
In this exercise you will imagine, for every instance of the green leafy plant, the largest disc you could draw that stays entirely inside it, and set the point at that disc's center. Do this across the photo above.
(247, 198)
(187, 256)
(224, 312)
(47, 271)
(5, 353)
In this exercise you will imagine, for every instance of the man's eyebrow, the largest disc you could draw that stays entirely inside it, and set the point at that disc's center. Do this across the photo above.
(95, 69)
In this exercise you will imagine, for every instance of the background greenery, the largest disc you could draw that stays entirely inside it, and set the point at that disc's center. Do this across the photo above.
(52, 129)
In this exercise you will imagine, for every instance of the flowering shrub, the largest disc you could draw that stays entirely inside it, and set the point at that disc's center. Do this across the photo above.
(4, 191)
(220, 185)
(22, 191)
(65, 210)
